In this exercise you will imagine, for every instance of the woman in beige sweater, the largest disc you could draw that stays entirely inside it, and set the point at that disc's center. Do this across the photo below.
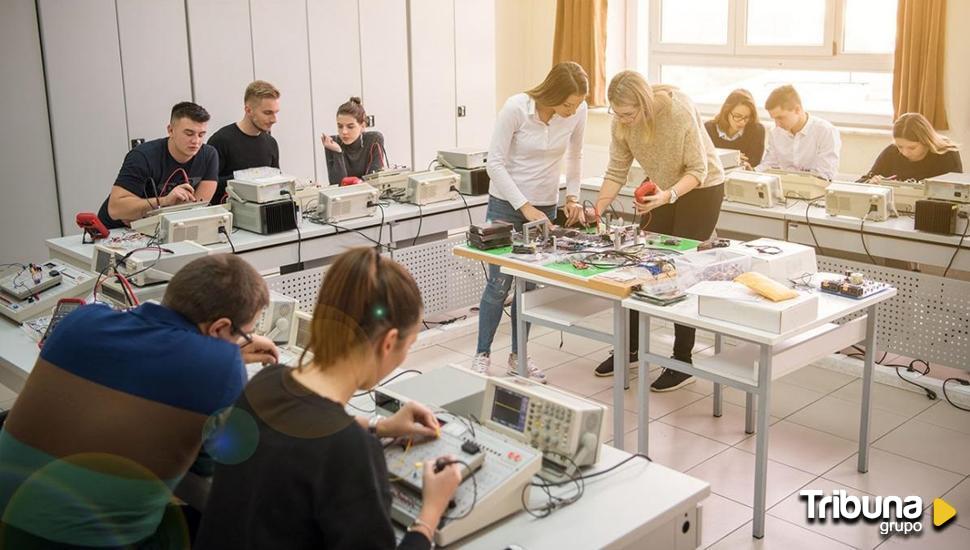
(660, 128)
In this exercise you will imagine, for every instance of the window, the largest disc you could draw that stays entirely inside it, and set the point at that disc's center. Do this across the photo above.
(837, 53)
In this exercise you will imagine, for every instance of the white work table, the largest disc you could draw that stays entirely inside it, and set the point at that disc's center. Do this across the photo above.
(760, 358)
(626, 508)
(895, 238)
(268, 252)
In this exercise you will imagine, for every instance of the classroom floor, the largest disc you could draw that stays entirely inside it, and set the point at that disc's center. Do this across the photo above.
(919, 447)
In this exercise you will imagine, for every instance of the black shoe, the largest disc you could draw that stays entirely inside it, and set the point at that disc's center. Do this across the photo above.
(606, 367)
(670, 380)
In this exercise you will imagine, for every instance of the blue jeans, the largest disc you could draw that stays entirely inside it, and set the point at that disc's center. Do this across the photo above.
(497, 289)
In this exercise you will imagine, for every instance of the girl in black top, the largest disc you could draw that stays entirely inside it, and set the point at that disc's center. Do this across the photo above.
(918, 152)
(736, 127)
(353, 152)
(294, 469)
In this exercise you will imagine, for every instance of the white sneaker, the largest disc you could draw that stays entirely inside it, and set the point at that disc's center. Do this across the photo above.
(534, 372)
(481, 363)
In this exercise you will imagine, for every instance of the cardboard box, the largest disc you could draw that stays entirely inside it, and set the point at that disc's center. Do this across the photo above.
(794, 260)
(763, 314)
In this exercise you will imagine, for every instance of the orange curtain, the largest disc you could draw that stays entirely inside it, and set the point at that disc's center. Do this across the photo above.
(918, 64)
(581, 37)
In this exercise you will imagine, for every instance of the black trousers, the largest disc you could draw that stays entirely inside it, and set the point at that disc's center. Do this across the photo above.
(693, 216)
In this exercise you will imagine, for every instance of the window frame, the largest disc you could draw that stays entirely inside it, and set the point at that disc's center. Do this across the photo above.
(829, 57)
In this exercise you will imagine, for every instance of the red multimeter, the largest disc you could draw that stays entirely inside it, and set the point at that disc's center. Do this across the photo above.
(92, 226)
(63, 308)
(646, 189)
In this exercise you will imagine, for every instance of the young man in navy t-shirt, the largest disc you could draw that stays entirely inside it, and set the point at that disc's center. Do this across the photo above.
(116, 408)
(166, 171)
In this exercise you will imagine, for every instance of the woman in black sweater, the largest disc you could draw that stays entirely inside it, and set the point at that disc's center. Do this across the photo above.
(918, 152)
(736, 127)
(353, 152)
(294, 469)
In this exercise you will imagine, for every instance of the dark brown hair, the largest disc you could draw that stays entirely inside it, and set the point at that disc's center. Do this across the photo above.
(363, 296)
(735, 98)
(564, 80)
(354, 108)
(785, 97)
(216, 286)
(189, 110)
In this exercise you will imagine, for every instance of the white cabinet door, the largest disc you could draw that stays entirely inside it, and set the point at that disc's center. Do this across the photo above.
(155, 63)
(384, 74)
(28, 211)
(87, 103)
(475, 71)
(334, 67)
(221, 49)
(281, 56)
(432, 28)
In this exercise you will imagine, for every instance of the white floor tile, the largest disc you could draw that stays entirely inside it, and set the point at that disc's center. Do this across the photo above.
(731, 475)
(947, 416)
(803, 448)
(818, 379)
(858, 534)
(720, 517)
(785, 398)
(577, 377)
(468, 344)
(432, 357)
(673, 447)
(891, 474)
(959, 498)
(779, 535)
(886, 397)
(660, 403)
(698, 418)
(940, 447)
(841, 418)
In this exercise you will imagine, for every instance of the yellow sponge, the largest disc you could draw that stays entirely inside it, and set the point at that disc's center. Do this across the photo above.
(769, 288)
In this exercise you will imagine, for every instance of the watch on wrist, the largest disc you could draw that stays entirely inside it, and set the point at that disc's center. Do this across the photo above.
(372, 423)
(673, 196)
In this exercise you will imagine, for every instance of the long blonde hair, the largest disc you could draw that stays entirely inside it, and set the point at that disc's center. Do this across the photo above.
(630, 88)
(915, 127)
(564, 80)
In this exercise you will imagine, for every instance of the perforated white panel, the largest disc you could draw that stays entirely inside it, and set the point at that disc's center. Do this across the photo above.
(928, 319)
(302, 285)
(446, 281)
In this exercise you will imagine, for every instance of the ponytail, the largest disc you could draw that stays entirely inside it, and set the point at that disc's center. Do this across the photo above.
(354, 108)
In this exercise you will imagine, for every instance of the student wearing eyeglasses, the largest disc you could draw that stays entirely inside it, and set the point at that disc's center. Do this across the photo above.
(736, 127)
(660, 127)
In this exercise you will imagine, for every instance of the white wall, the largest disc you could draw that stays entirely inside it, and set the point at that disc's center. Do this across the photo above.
(525, 32)
(29, 197)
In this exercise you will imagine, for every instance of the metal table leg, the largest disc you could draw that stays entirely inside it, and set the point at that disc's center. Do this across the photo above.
(761, 452)
(718, 397)
(749, 413)
(864, 416)
(643, 389)
(621, 336)
(520, 324)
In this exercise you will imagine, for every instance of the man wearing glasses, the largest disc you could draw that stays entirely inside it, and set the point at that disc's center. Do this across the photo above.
(113, 413)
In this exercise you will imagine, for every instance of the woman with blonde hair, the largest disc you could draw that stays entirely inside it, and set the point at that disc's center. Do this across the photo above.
(736, 127)
(294, 469)
(918, 152)
(534, 132)
(660, 127)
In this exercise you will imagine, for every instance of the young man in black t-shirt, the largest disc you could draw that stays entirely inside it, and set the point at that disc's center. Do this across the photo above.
(248, 143)
(165, 171)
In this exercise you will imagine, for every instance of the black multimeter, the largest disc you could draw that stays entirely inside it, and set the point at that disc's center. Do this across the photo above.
(64, 307)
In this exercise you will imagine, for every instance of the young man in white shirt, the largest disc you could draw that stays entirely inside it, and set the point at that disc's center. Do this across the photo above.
(799, 142)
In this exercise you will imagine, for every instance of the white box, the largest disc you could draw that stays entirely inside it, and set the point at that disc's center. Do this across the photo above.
(463, 157)
(730, 158)
(776, 317)
(794, 261)
(953, 187)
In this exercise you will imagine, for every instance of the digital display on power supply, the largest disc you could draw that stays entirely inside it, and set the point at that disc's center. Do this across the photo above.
(509, 409)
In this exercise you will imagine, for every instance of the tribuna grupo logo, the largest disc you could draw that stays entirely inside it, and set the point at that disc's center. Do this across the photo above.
(895, 515)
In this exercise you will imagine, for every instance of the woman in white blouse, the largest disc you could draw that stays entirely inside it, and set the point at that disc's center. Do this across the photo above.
(534, 132)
